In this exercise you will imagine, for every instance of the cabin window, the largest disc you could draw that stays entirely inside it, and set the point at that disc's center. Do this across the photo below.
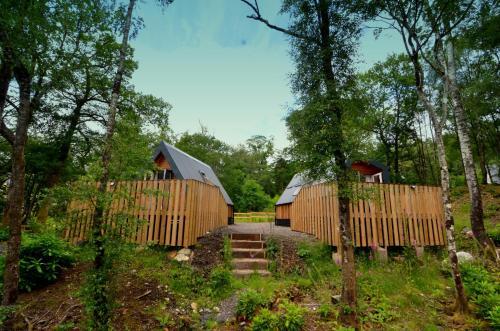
(164, 174)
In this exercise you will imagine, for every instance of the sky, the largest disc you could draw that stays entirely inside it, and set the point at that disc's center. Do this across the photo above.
(221, 70)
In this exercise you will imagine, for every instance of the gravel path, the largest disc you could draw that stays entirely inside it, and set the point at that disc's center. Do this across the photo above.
(265, 228)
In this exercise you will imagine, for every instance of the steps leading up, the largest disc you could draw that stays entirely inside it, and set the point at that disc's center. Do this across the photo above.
(246, 236)
(249, 272)
(260, 264)
(249, 255)
(247, 244)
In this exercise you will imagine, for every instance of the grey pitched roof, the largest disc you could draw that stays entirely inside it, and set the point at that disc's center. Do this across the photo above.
(292, 189)
(299, 180)
(184, 166)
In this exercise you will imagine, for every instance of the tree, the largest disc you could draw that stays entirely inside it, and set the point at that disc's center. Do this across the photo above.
(101, 312)
(32, 53)
(406, 14)
(323, 36)
(253, 197)
(420, 24)
(392, 107)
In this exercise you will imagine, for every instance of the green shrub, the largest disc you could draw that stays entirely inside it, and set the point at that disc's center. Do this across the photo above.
(325, 310)
(483, 291)
(220, 280)
(249, 302)
(43, 256)
(5, 312)
(184, 280)
(303, 252)
(494, 317)
(494, 234)
(265, 320)
(292, 318)
(272, 247)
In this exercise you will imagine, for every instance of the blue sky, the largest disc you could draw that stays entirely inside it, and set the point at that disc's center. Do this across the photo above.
(219, 69)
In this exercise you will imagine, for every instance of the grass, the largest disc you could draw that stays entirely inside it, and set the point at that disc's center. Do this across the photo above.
(254, 220)
(407, 294)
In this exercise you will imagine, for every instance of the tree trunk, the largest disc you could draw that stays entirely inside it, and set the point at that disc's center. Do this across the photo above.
(476, 214)
(461, 298)
(348, 298)
(101, 313)
(15, 196)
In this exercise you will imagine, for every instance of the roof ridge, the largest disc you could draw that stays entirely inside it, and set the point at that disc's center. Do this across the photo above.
(186, 154)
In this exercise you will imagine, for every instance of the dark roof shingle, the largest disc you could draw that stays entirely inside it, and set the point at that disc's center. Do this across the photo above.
(184, 166)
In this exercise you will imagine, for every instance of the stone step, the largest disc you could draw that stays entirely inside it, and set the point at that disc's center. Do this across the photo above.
(248, 253)
(246, 236)
(257, 264)
(246, 244)
(249, 272)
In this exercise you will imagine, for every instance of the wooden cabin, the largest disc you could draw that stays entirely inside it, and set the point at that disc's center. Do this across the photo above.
(172, 163)
(388, 215)
(368, 172)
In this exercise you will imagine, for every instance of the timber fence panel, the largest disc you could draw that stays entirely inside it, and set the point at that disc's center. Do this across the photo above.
(383, 215)
(165, 212)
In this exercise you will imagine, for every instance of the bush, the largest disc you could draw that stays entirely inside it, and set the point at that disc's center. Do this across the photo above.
(249, 302)
(292, 318)
(272, 247)
(494, 234)
(483, 291)
(43, 256)
(220, 280)
(325, 310)
(253, 197)
(266, 320)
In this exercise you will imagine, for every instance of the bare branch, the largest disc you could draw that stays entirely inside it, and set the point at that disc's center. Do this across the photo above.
(258, 17)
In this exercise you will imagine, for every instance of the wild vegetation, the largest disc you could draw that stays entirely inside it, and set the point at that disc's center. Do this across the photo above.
(70, 116)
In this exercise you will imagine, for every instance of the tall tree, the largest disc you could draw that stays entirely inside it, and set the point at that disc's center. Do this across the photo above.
(420, 24)
(323, 35)
(406, 14)
(392, 107)
(101, 312)
(32, 49)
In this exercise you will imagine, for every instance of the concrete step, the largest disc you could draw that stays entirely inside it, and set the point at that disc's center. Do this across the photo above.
(246, 244)
(249, 272)
(257, 264)
(246, 236)
(248, 253)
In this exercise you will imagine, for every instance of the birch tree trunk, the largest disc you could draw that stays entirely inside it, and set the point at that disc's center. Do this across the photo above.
(101, 312)
(476, 213)
(437, 123)
(461, 298)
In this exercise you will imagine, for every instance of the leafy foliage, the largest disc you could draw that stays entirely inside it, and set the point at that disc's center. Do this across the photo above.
(43, 257)
(249, 302)
(290, 317)
(265, 320)
(253, 197)
(484, 291)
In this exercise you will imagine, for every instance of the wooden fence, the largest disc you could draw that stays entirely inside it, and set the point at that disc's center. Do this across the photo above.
(390, 215)
(254, 217)
(163, 212)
